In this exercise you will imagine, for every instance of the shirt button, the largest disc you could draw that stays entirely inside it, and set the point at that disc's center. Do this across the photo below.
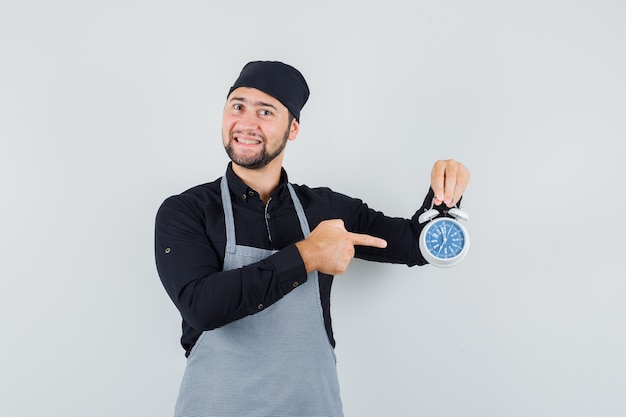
(168, 250)
(244, 196)
(250, 193)
(267, 215)
(260, 306)
(295, 284)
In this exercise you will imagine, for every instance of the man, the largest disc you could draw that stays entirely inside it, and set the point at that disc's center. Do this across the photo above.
(248, 260)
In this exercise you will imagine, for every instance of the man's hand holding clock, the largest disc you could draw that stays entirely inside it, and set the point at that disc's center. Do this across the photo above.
(444, 241)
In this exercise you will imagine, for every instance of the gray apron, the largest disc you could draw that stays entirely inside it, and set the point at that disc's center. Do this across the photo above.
(277, 362)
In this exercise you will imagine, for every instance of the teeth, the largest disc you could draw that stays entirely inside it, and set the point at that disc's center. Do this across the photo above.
(247, 142)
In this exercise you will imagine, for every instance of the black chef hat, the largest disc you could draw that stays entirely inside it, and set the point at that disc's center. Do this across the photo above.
(279, 80)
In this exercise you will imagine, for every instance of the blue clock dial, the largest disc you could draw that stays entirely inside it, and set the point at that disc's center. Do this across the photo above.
(444, 239)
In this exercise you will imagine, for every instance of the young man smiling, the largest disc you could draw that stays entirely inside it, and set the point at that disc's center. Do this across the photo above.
(255, 131)
(248, 260)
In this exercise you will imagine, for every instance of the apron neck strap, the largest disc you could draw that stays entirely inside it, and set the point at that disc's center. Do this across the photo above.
(229, 219)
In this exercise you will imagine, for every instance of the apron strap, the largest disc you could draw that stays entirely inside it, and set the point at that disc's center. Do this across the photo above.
(231, 242)
(229, 219)
(304, 224)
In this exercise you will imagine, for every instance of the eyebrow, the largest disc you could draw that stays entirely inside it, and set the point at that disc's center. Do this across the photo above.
(253, 103)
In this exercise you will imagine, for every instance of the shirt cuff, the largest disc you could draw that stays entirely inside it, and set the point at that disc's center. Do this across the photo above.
(289, 267)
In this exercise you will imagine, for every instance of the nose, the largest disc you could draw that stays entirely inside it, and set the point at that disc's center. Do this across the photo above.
(247, 120)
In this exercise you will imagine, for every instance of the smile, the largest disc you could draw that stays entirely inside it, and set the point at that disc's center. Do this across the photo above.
(244, 141)
(247, 138)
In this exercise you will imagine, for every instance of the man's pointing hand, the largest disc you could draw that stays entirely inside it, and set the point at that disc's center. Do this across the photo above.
(330, 247)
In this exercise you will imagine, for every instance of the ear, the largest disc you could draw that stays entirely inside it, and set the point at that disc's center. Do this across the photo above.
(294, 129)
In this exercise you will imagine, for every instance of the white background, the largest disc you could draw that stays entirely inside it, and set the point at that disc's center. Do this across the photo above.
(107, 108)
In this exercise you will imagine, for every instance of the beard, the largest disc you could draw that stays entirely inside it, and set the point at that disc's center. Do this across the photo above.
(258, 160)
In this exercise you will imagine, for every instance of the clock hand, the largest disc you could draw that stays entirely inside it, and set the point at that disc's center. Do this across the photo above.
(444, 239)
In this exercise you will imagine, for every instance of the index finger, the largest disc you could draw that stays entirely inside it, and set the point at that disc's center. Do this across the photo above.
(437, 181)
(367, 240)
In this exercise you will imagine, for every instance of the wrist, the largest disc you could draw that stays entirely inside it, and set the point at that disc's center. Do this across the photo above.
(306, 254)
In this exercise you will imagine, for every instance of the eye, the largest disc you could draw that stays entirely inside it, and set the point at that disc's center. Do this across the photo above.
(237, 106)
(265, 112)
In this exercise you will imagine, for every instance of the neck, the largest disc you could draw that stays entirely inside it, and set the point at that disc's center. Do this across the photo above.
(264, 180)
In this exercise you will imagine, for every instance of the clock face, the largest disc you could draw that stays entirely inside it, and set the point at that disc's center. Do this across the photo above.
(444, 242)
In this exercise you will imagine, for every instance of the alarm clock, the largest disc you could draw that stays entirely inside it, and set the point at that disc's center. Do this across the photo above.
(444, 241)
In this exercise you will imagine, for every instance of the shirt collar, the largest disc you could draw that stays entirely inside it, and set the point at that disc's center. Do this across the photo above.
(243, 192)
